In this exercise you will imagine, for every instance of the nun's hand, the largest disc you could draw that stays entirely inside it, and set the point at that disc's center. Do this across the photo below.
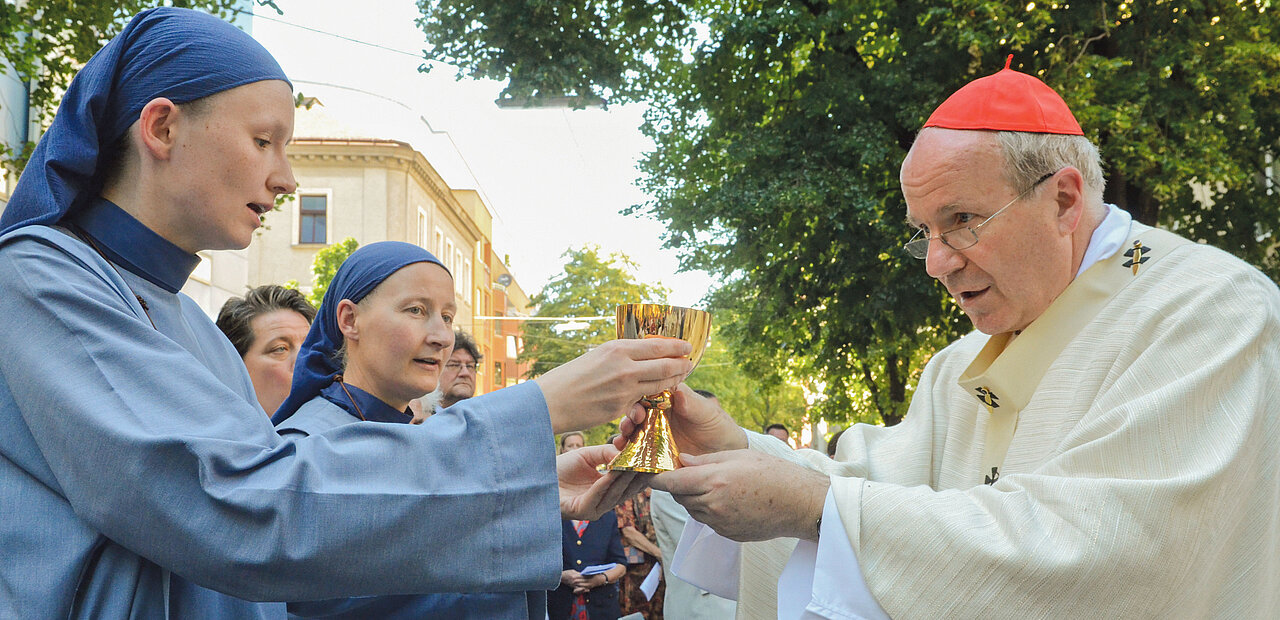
(604, 383)
(586, 493)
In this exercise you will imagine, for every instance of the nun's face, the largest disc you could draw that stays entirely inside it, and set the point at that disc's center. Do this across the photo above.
(400, 336)
(229, 165)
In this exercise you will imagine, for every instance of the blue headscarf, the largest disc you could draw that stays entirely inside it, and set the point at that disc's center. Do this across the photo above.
(365, 269)
(180, 54)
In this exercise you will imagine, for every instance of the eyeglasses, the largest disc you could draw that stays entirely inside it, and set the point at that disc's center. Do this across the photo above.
(964, 237)
(452, 365)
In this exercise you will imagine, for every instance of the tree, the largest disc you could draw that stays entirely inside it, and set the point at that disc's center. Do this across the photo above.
(780, 127)
(593, 284)
(325, 265)
(754, 397)
(47, 41)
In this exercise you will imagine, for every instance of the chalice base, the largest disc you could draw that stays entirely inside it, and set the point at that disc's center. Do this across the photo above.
(651, 450)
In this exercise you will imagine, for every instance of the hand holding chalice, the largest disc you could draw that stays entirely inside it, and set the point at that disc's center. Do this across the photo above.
(651, 449)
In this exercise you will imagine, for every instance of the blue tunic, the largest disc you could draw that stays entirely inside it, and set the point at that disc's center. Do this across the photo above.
(138, 477)
(332, 409)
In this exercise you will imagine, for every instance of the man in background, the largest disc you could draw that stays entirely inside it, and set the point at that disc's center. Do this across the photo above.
(779, 431)
(458, 381)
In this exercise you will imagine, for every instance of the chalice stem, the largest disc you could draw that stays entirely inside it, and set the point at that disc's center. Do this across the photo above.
(651, 450)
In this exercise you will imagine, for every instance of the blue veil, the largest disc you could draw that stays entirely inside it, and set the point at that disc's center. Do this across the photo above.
(363, 271)
(179, 54)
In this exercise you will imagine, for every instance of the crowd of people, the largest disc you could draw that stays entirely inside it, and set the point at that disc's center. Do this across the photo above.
(1104, 442)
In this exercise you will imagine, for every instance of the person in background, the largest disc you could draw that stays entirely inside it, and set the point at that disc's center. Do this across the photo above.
(833, 443)
(780, 431)
(571, 441)
(267, 326)
(458, 382)
(640, 546)
(584, 544)
(138, 476)
(681, 599)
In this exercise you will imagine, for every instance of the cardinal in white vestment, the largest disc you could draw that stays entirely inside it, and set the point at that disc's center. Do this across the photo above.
(1105, 444)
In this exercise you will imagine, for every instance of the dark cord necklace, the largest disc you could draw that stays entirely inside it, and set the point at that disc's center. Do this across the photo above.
(342, 385)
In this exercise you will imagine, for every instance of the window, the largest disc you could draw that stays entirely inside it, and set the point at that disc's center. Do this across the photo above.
(447, 257)
(466, 279)
(498, 378)
(423, 233)
(438, 248)
(312, 215)
(459, 284)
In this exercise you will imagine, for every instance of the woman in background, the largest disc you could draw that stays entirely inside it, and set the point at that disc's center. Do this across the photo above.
(587, 544)
(267, 326)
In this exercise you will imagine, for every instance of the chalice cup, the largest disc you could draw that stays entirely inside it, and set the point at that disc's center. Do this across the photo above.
(652, 449)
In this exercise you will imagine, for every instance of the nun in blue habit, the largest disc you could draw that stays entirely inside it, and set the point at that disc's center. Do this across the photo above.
(397, 300)
(138, 476)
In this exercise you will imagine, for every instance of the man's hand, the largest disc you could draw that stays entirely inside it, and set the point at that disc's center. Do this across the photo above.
(698, 425)
(604, 383)
(584, 492)
(746, 496)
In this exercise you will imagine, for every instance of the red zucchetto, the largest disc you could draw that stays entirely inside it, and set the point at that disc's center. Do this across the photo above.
(1006, 101)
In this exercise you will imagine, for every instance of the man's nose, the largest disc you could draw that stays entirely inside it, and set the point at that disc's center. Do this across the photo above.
(941, 259)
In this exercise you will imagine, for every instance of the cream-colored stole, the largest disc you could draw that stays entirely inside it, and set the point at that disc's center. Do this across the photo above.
(1005, 374)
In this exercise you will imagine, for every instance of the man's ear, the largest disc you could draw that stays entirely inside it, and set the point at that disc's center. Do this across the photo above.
(157, 124)
(346, 314)
(1068, 194)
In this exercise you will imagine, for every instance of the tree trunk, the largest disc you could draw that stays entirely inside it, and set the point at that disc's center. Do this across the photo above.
(872, 387)
(897, 390)
(1132, 198)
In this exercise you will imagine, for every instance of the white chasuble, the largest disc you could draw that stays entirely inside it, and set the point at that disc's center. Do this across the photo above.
(1136, 439)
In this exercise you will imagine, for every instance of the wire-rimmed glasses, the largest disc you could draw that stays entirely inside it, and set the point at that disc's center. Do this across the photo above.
(964, 237)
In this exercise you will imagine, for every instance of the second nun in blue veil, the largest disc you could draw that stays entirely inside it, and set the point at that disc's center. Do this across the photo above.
(381, 338)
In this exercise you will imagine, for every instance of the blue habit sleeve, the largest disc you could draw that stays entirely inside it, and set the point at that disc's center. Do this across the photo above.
(136, 440)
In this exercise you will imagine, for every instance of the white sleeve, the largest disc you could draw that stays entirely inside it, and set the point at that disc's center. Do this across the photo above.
(707, 560)
(824, 580)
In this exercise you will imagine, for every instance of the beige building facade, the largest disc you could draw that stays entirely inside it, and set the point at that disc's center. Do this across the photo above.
(376, 190)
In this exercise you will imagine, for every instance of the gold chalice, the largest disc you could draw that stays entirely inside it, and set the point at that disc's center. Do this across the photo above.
(652, 449)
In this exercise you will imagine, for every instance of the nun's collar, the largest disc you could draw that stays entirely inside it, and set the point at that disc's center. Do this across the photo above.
(366, 405)
(128, 243)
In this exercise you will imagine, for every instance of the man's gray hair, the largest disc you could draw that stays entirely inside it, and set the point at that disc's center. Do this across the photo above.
(1029, 156)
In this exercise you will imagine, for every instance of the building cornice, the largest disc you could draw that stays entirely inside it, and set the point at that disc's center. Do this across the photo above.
(390, 154)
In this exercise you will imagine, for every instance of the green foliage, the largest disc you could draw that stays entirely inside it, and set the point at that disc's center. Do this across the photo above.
(556, 48)
(47, 41)
(592, 284)
(780, 126)
(325, 265)
(755, 396)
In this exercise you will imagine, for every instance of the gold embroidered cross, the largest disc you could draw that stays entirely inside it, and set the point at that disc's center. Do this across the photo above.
(1137, 255)
(988, 398)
